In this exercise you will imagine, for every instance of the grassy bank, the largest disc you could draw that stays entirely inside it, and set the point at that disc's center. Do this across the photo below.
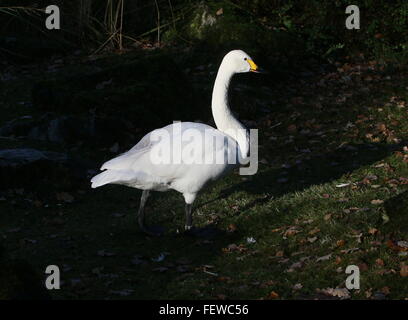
(331, 191)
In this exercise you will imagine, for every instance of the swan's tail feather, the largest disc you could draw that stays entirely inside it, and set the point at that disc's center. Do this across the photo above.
(117, 163)
(125, 160)
(111, 176)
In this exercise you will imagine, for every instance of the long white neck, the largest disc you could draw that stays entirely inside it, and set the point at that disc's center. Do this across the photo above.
(223, 117)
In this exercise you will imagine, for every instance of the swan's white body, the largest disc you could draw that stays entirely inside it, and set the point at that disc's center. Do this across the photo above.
(136, 169)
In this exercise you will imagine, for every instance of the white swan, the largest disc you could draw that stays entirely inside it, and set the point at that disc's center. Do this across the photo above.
(140, 167)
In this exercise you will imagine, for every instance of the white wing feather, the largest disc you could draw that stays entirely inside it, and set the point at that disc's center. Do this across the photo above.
(135, 168)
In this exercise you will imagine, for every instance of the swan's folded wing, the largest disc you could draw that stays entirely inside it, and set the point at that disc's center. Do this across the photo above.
(113, 176)
(204, 154)
(156, 138)
(126, 159)
(160, 162)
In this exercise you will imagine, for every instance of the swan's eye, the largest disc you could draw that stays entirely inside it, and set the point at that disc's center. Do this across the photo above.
(245, 59)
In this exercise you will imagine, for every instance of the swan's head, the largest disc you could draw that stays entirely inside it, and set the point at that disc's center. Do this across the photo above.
(238, 62)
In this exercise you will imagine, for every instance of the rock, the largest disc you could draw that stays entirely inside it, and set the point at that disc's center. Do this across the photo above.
(70, 129)
(40, 169)
(16, 157)
(16, 127)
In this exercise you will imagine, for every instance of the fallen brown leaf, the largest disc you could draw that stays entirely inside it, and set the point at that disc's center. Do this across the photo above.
(279, 254)
(273, 295)
(219, 12)
(385, 290)
(372, 231)
(314, 231)
(340, 243)
(341, 293)
(363, 267)
(290, 232)
(379, 262)
(404, 271)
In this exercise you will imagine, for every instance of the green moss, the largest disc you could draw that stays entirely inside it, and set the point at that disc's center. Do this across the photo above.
(233, 28)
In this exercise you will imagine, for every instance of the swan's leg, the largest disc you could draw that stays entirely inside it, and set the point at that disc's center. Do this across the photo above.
(189, 198)
(141, 213)
(206, 232)
(189, 217)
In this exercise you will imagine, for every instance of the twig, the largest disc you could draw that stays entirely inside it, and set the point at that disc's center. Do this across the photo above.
(158, 21)
(211, 273)
(276, 125)
(172, 14)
